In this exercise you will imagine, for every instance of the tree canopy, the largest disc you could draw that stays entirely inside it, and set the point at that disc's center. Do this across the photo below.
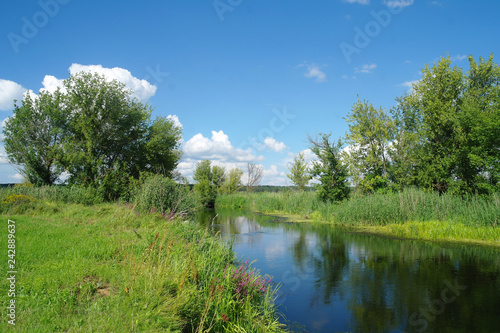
(448, 128)
(93, 129)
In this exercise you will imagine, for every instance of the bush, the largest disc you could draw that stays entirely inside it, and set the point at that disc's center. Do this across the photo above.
(163, 195)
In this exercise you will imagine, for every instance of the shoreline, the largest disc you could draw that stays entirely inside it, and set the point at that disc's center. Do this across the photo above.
(402, 231)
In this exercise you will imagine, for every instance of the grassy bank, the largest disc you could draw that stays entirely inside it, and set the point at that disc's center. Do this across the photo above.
(407, 214)
(110, 268)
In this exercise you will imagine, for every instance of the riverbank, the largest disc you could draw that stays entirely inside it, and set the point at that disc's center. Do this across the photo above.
(410, 214)
(109, 268)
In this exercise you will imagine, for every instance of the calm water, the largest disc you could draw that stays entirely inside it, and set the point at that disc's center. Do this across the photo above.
(335, 281)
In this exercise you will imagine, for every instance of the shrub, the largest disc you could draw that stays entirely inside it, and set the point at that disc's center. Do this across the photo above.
(165, 196)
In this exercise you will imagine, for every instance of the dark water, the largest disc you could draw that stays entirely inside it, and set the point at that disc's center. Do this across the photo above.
(334, 281)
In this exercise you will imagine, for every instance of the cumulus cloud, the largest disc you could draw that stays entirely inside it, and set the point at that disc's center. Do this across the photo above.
(398, 3)
(141, 89)
(175, 119)
(217, 148)
(362, 2)
(9, 91)
(366, 69)
(51, 83)
(274, 144)
(273, 176)
(314, 72)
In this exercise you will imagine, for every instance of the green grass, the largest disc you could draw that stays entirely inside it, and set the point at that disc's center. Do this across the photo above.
(108, 268)
(410, 213)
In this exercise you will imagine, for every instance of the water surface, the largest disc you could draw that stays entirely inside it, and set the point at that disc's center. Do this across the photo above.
(336, 281)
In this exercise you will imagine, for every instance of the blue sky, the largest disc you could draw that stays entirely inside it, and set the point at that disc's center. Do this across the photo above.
(248, 80)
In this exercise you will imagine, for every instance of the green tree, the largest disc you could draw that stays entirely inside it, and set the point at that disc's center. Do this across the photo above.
(233, 181)
(209, 180)
(104, 126)
(478, 160)
(299, 172)
(96, 131)
(370, 132)
(448, 129)
(404, 148)
(33, 137)
(330, 170)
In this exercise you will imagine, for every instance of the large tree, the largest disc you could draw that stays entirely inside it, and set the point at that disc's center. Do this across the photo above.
(370, 133)
(448, 128)
(330, 170)
(478, 160)
(96, 131)
(33, 137)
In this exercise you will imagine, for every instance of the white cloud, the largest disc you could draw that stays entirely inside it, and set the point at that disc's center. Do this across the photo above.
(3, 154)
(9, 91)
(362, 2)
(51, 83)
(273, 176)
(17, 176)
(2, 125)
(141, 89)
(217, 148)
(436, 3)
(175, 120)
(398, 3)
(366, 69)
(458, 57)
(274, 145)
(314, 72)
(409, 85)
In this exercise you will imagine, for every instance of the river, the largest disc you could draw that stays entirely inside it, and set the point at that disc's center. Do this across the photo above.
(337, 281)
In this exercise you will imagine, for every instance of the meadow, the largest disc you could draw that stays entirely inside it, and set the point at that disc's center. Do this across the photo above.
(85, 266)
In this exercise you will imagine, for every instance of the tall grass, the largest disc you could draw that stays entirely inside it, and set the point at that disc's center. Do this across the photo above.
(63, 194)
(165, 196)
(105, 268)
(374, 209)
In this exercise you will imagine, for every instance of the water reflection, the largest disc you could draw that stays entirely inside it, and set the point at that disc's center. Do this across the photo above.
(335, 281)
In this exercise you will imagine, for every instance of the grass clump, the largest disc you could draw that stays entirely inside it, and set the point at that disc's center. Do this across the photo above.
(164, 196)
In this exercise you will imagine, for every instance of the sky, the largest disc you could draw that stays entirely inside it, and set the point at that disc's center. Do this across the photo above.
(248, 81)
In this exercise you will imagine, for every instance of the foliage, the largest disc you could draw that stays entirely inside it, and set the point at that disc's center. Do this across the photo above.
(233, 181)
(96, 131)
(299, 172)
(330, 169)
(209, 179)
(448, 129)
(370, 132)
(33, 137)
(162, 195)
